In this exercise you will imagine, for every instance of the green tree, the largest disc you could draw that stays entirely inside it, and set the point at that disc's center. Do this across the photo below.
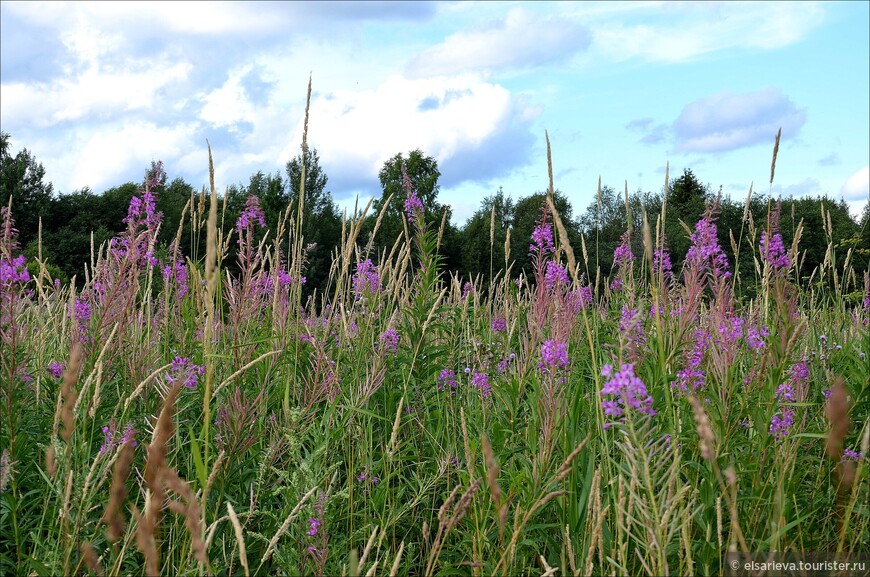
(22, 179)
(423, 172)
(321, 221)
(527, 213)
(479, 256)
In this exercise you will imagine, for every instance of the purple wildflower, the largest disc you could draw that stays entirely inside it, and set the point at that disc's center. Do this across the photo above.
(705, 252)
(389, 340)
(252, 213)
(626, 391)
(662, 261)
(55, 369)
(631, 326)
(555, 276)
(413, 207)
(447, 378)
(366, 278)
(849, 454)
(692, 376)
(113, 437)
(184, 371)
(623, 255)
(176, 273)
(755, 337)
(481, 381)
(499, 324)
(773, 251)
(13, 271)
(554, 356)
(542, 239)
(780, 424)
(315, 524)
(467, 289)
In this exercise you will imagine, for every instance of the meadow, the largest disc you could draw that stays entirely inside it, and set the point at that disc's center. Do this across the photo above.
(173, 416)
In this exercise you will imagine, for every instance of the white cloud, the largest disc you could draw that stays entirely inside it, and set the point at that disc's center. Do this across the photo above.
(521, 40)
(356, 131)
(680, 31)
(93, 91)
(112, 155)
(727, 121)
(857, 186)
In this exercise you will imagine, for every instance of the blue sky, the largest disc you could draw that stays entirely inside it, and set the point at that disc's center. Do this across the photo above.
(96, 91)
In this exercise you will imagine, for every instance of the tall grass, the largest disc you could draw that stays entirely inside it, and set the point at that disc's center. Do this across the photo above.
(174, 418)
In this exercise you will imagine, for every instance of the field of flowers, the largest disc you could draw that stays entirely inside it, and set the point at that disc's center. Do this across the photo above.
(175, 417)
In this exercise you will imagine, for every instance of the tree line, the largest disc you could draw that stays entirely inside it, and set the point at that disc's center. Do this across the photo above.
(496, 235)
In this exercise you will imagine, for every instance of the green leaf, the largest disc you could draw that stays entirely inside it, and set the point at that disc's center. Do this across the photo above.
(201, 473)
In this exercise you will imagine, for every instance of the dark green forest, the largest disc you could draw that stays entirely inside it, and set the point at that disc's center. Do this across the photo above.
(73, 225)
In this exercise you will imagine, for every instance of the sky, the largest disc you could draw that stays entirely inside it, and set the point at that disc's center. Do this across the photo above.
(96, 91)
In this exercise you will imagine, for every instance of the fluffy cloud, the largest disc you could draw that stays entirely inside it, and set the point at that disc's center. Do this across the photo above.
(857, 187)
(681, 31)
(727, 121)
(520, 40)
(474, 129)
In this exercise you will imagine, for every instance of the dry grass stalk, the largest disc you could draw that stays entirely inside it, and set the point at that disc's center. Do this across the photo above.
(240, 540)
(50, 461)
(286, 525)
(145, 381)
(837, 413)
(395, 568)
(368, 548)
(214, 471)
(191, 511)
(154, 479)
(113, 514)
(68, 390)
(705, 432)
(548, 571)
(775, 151)
(394, 436)
(91, 560)
(492, 471)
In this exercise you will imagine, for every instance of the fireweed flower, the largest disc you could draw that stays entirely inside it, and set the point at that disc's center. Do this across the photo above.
(467, 289)
(113, 437)
(555, 276)
(447, 379)
(314, 524)
(773, 251)
(692, 376)
(850, 455)
(542, 239)
(625, 391)
(389, 340)
(13, 271)
(631, 326)
(755, 337)
(623, 255)
(55, 369)
(783, 419)
(366, 278)
(554, 356)
(662, 261)
(252, 213)
(705, 252)
(481, 381)
(184, 371)
(499, 324)
(175, 273)
(413, 207)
